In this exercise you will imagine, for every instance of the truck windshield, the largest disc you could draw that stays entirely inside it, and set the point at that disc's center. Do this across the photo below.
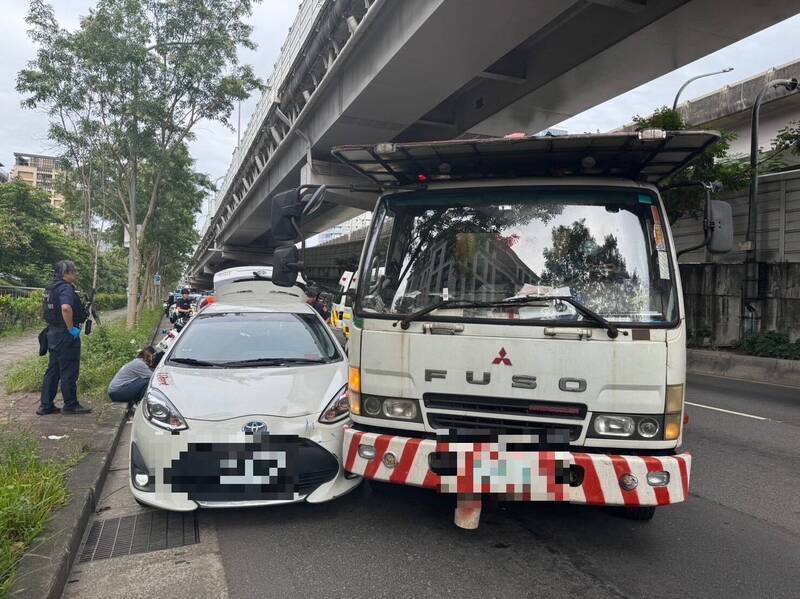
(604, 248)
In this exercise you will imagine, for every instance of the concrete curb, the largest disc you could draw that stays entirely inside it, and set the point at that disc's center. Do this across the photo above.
(43, 570)
(747, 368)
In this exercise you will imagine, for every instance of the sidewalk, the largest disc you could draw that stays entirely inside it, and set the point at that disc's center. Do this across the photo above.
(743, 367)
(59, 436)
(43, 570)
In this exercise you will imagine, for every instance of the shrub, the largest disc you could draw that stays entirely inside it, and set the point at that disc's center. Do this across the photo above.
(20, 313)
(102, 354)
(110, 301)
(771, 344)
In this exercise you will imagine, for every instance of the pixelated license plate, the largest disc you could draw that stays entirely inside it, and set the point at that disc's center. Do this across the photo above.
(261, 470)
(535, 475)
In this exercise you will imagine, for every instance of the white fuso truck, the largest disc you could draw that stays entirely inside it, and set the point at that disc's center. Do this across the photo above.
(518, 327)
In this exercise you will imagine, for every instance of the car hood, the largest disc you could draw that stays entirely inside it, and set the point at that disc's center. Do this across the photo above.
(223, 393)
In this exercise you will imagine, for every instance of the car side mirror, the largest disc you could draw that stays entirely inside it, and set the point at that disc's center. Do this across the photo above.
(720, 224)
(285, 266)
(287, 211)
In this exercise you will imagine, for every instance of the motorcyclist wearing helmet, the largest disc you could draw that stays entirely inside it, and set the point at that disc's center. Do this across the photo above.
(183, 305)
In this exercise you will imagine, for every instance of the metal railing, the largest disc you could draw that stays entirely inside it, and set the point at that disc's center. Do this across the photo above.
(298, 33)
(16, 292)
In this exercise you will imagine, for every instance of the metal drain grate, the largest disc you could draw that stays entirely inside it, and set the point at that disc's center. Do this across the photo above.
(148, 531)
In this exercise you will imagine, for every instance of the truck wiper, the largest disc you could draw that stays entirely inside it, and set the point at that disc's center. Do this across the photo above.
(409, 318)
(193, 362)
(612, 330)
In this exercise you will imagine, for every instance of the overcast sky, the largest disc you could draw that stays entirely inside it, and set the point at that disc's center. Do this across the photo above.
(24, 130)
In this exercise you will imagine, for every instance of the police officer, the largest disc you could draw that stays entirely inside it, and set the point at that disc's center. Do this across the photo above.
(64, 313)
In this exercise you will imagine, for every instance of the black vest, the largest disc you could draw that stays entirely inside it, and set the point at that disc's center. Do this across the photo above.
(51, 307)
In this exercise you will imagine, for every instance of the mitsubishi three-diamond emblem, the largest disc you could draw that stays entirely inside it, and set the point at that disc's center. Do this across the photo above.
(501, 358)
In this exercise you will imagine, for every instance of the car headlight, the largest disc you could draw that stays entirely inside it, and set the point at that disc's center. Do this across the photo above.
(337, 409)
(159, 410)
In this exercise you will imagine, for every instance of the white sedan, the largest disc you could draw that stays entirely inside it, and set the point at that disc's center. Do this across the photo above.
(246, 408)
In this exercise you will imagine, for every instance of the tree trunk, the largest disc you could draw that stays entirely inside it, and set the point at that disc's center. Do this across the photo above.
(134, 264)
(134, 257)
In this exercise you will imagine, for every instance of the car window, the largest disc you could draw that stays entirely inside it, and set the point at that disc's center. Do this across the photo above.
(237, 337)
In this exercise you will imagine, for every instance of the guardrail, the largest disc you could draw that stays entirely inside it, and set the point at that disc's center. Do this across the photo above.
(16, 292)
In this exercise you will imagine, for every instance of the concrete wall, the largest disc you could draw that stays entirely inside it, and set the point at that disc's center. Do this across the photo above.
(713, 292)
(713, 284)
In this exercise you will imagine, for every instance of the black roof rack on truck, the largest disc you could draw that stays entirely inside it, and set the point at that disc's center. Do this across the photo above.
(651, 156)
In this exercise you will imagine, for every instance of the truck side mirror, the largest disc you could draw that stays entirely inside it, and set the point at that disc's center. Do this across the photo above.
(285, 266)
(286, 214)
(720, 224)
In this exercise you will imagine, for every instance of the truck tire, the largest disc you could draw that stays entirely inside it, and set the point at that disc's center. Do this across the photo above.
(643, 513)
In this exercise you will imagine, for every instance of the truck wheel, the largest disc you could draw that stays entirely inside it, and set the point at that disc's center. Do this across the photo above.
(644, 514)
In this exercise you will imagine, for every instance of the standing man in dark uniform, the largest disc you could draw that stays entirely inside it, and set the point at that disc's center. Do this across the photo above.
(63, 312)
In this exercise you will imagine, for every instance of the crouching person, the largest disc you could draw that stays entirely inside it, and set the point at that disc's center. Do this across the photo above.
(130, 382)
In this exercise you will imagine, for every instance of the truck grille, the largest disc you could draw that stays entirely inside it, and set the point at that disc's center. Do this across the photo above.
(499, 405)
(502, 426)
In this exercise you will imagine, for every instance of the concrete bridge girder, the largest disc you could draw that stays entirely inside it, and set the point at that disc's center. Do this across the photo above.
(433, 69)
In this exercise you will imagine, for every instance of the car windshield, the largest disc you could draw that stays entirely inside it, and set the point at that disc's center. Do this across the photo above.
(254, 338)
(523, 248)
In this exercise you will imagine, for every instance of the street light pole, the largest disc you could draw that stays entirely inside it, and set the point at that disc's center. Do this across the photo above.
(789, 85)
(688, 81)
(750, 293)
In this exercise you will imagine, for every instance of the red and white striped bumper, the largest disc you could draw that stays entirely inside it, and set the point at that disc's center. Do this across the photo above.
(525, 476)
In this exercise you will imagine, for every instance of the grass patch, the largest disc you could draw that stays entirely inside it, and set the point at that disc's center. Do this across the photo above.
(102, 354)
(30, 490)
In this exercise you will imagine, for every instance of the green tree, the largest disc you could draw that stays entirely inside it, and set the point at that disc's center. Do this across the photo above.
(33, 238)
(713, 165)
(596, 273)
(134, 80)
(788, 139)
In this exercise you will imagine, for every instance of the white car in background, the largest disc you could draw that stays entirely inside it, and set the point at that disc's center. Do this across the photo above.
(246, 408)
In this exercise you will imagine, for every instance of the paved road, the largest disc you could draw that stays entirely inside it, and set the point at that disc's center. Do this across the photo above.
(736, 537)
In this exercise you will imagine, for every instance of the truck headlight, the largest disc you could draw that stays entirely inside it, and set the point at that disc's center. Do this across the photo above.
(609, 425)
(390, 407)
(403, 409)
(648, 428)
(337, 409)
(158, 409)
(630, 426)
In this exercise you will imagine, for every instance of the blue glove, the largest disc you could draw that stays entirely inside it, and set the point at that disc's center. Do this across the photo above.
(75, 332)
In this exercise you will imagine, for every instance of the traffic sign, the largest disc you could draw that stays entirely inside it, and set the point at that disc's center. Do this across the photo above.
(157, 279)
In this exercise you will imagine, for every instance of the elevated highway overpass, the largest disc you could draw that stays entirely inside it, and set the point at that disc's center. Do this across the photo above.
(366, 71)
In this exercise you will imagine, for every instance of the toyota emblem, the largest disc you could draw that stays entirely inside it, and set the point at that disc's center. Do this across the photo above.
(255, 427)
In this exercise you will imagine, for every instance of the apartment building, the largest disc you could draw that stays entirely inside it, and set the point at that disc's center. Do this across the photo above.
(40, 171)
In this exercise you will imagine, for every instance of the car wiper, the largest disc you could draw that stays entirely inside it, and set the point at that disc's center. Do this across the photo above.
(409, 318)
(612, 330)
(255, 362)
(193, 362)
